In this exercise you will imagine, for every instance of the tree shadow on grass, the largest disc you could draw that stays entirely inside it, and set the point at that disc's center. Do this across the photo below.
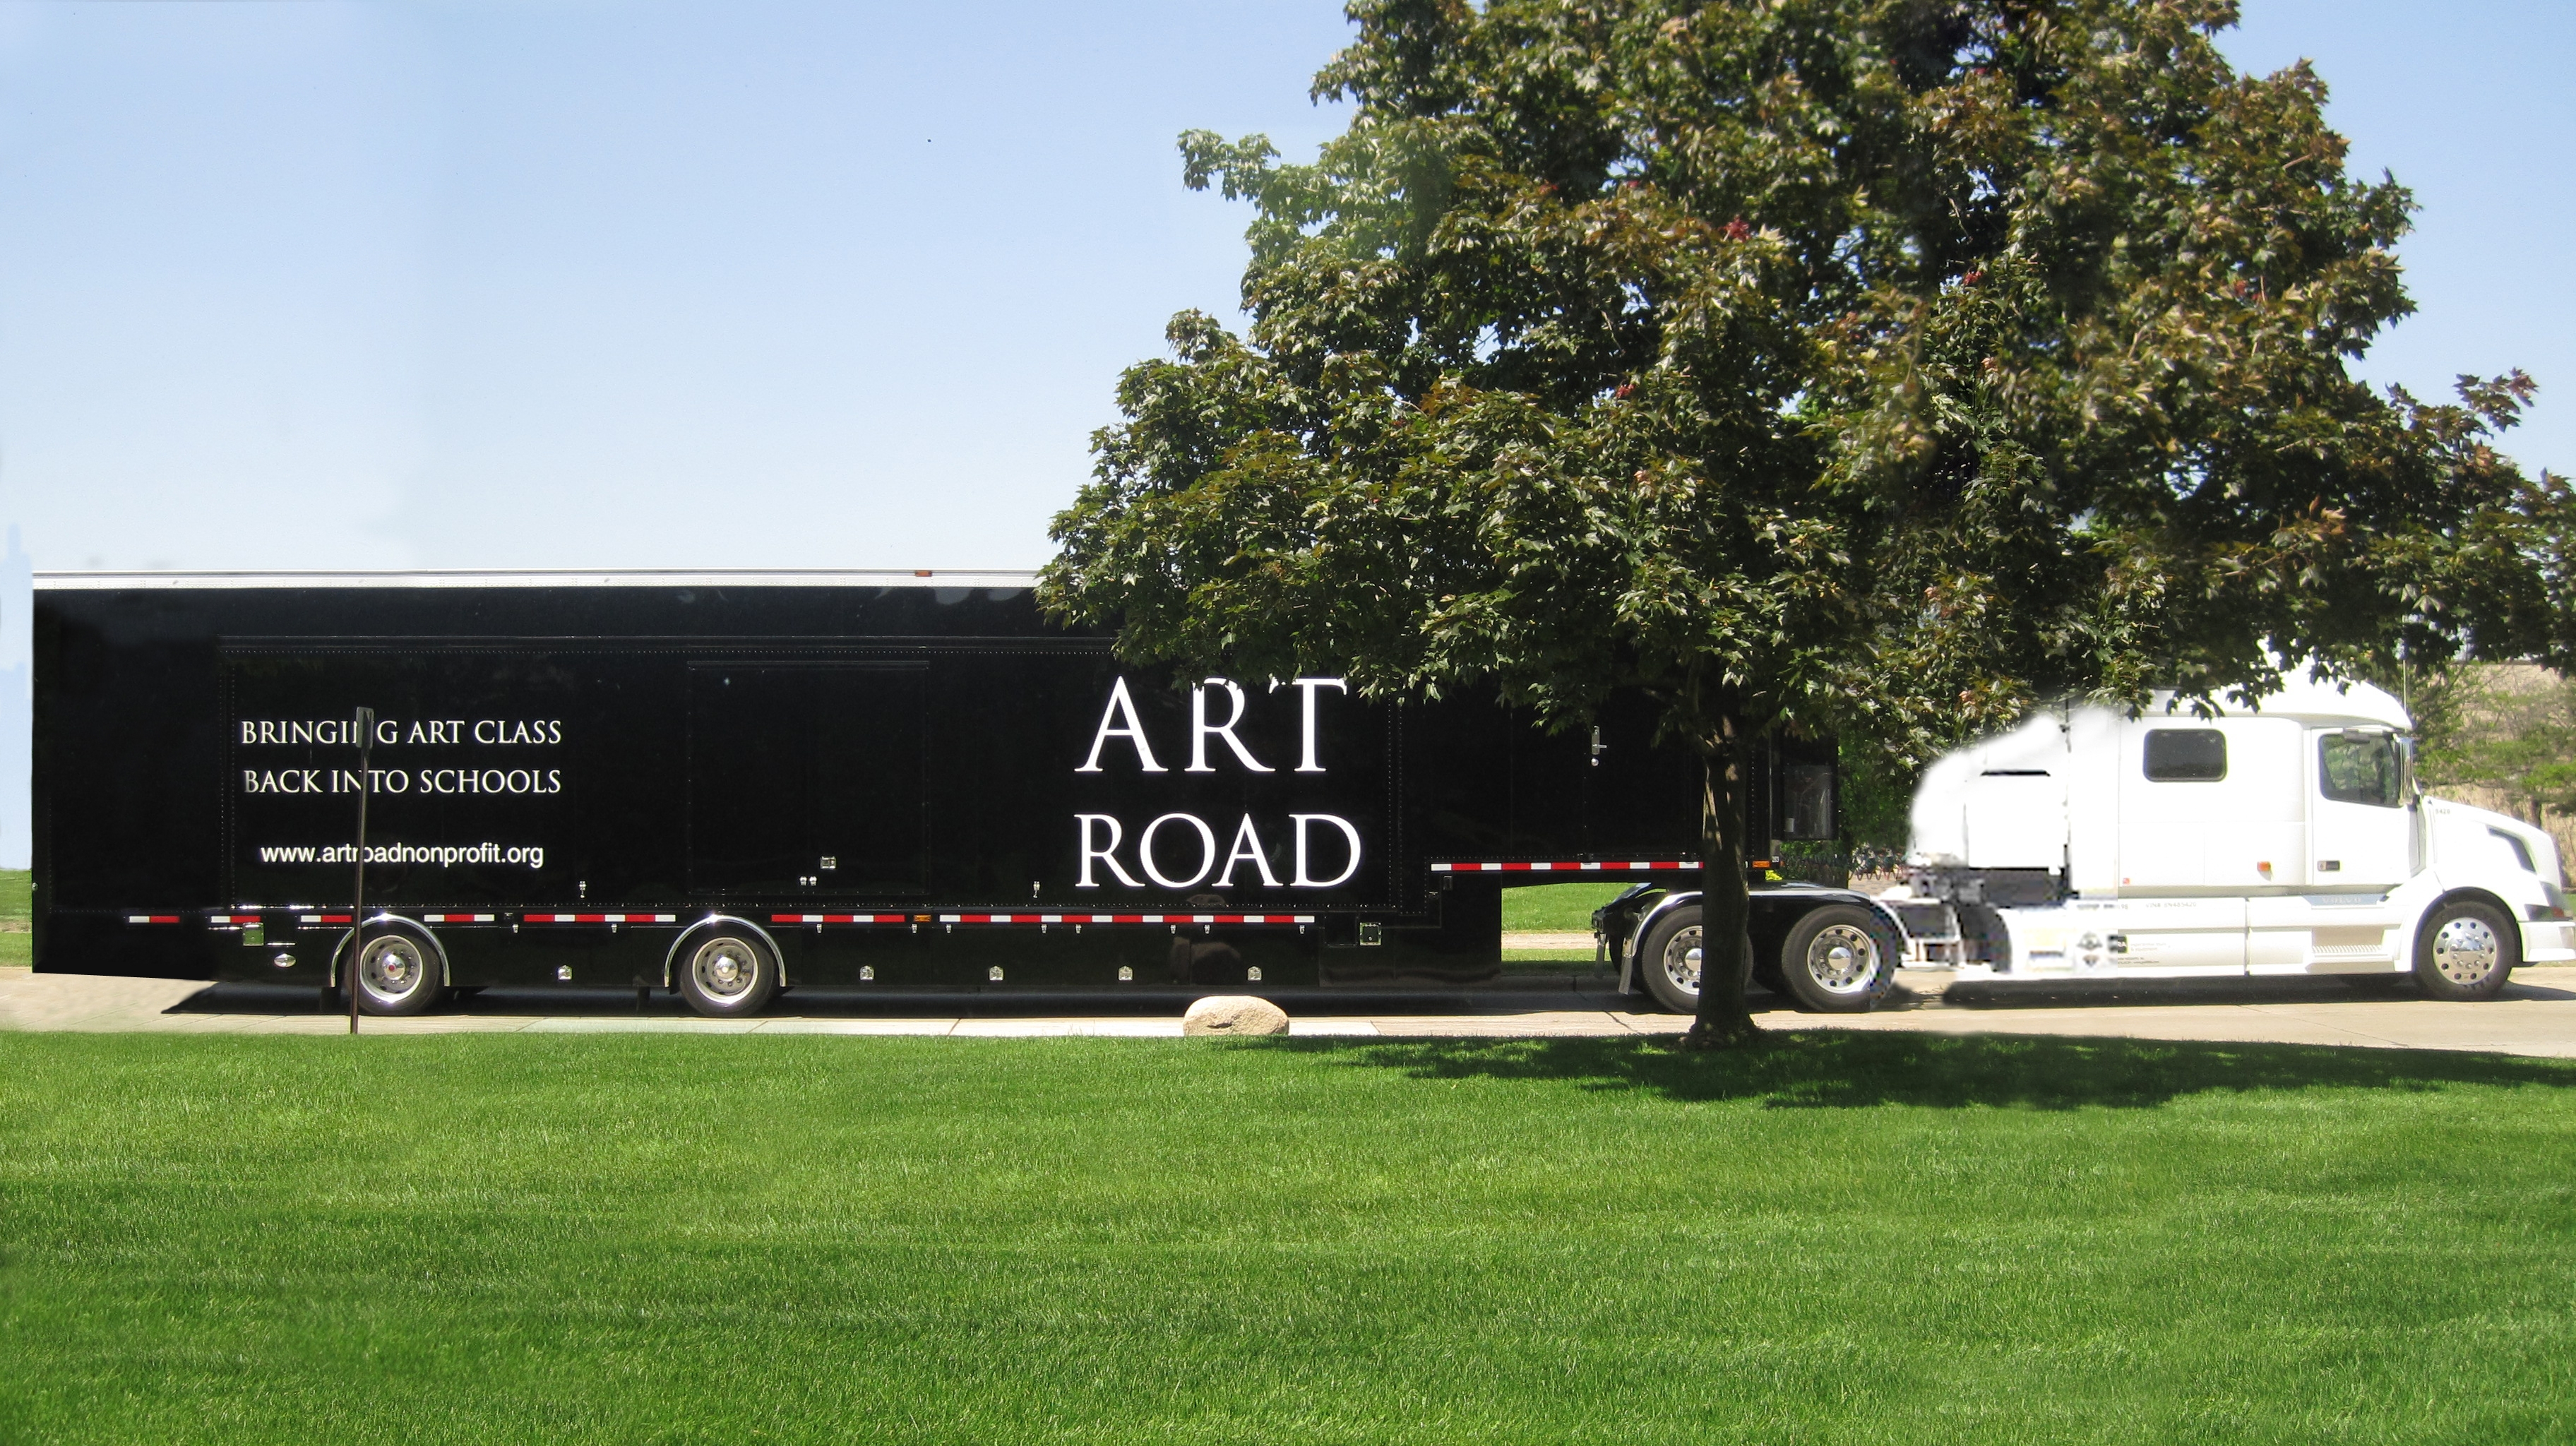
(1853, 1070)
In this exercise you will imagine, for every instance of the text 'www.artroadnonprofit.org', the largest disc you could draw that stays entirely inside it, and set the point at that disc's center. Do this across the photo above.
(525, 856)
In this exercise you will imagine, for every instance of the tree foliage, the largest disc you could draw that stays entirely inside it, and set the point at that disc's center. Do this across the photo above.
(2506, 727)
(1860, 365)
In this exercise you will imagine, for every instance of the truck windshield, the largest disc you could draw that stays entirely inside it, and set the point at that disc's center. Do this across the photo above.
(2361, 768)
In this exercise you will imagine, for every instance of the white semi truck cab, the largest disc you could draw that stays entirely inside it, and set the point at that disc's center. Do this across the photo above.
(2288, 837)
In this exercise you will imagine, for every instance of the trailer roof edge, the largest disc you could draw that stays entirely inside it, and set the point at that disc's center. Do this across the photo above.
(542, 577)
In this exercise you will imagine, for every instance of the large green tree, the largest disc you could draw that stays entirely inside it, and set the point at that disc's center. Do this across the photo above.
(1867, 365)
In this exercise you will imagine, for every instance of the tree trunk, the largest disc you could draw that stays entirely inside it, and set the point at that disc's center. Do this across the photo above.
(1725, 900)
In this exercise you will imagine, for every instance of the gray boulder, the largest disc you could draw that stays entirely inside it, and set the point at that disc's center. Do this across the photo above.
(1234, 1014)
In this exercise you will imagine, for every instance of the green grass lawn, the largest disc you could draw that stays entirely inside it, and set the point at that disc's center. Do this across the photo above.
(17, 946)
(1884, 1238)
(1555, 908)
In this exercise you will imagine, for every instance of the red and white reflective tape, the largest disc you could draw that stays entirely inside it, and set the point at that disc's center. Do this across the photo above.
(152, 918)
(322, 918)
(600, 918)
(1126, 918)
(1568, 866)
(220, 919)
(456, 918)
(841, 918)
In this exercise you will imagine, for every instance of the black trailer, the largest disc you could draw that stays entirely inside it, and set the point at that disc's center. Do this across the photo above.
(728, 783)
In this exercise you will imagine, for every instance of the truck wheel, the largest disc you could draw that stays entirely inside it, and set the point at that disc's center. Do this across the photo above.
(397, 974)
(724, 975)
(2464, 951)
(1670, 960)
(1839, 959)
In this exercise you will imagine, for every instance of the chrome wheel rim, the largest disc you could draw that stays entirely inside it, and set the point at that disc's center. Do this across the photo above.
(2466, 949)
(392, 968)
(725, 968)
(1842, 959)
(1681, 960)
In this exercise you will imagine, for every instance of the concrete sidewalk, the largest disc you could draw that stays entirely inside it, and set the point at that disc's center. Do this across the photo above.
(2536, 1015)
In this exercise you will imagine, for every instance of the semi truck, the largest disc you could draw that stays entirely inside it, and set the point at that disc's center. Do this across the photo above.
(723, 785)
(2287, 835)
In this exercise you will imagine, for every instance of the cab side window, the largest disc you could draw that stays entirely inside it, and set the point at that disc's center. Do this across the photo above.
(2186, 755)
(2359, 768)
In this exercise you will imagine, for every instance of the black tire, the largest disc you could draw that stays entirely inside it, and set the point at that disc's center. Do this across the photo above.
(726, 973)
(2465, 950)
(1668, 961)
(399, 972)
(1840, 959)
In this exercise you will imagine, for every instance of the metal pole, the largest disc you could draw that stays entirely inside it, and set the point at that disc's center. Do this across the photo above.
(358, 889)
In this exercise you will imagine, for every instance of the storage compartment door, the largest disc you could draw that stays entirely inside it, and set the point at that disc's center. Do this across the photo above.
(807, 778)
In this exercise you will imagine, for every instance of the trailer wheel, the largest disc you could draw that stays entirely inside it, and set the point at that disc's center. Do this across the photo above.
(727, 974)
(1670, 960)
(1839, 959)
(397, 974)
(2465, 950)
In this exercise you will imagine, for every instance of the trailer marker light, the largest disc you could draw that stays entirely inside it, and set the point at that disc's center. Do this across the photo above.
(1125, 974)
(1253, 974)
(994, 973)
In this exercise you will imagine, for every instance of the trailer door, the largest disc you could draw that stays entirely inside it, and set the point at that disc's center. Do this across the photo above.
(807, 778)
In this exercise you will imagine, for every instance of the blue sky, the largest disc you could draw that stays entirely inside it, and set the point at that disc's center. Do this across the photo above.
(574, 283)
(564, 283)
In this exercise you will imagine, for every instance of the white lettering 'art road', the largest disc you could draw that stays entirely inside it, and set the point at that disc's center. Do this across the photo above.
(1201, 730)
(1307, 686)
(1105, 853)
(1207, 850)
(1102, 834)
(1120, 707)
(1352, 866)
(1247, 846)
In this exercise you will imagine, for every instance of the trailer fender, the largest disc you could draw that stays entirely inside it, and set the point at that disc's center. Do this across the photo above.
(671, 956)
(1672, 899)
(381, 923)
